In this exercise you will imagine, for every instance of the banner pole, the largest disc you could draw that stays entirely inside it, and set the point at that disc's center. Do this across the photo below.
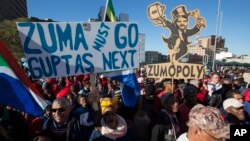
(172, 85)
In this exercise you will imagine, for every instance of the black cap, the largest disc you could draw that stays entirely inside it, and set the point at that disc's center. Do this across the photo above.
(189, 90)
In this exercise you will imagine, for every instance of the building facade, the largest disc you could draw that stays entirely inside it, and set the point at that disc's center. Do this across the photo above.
(155, 57)
(141, 48)
(206, 46)
(11, 9)
(209, 43)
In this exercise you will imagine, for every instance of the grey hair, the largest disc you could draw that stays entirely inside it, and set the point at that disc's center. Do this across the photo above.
(63, 101)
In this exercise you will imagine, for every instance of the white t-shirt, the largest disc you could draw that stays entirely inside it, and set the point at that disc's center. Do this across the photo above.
(183, 137)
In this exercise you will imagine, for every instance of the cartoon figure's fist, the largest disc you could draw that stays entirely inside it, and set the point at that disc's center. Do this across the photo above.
(195, 13)
(201, 22)
(156, 11)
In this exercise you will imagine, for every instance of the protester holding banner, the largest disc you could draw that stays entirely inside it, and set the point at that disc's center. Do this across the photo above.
(63, 123)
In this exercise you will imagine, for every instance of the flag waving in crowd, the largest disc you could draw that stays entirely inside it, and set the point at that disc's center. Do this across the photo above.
(128, 82)
(17, 90)
(110, 12)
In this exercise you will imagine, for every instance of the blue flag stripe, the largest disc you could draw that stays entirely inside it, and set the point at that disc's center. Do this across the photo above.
(15, 95)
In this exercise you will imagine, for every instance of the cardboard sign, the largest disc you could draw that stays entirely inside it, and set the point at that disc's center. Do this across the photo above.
(178, 42)
(55, 49)
(176, 71)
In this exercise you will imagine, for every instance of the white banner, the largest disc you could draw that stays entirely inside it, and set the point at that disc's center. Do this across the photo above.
(55, 49)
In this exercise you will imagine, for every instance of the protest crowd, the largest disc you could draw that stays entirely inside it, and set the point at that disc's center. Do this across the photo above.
(165, 111)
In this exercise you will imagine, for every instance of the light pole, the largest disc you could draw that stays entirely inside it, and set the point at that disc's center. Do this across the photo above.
(216, 34)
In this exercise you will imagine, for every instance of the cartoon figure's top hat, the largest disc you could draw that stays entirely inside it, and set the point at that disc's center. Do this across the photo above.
(179, 11)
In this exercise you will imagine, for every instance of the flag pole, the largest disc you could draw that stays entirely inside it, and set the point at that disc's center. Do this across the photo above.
(217, 26)
(105, 11)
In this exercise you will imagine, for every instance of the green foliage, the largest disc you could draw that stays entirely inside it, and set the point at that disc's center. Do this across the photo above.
(9, 34)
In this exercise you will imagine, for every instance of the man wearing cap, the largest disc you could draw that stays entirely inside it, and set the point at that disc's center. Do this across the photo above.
(207, 124)
(235, 111)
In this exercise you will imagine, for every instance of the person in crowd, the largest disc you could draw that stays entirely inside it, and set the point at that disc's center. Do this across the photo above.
(69, 81)
(117, 99)
(145, 105)
(112, 126)
(85, 89)
(72, 99)
(102, 90)
(202, 91)
(234, 93)
(86, 115)
(74, 89)
(45, 135)
(150, 88)
(190, 100)
(77, 82)
(37, 123)
(61, 83)
(13, 125)
(63, 123)
(166, 127)
(141, 79)
(166, 87)
(235, 111)
(246, 95)
(246, 83)
(231, 94)
(111, 89)
(48, 91)
(179, 92)
(142, 121)
(238, 85)
(214, 83)
(219, 95)
(207, 124)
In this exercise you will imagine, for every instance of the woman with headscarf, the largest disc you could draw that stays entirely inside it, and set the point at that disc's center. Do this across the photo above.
(112, 126)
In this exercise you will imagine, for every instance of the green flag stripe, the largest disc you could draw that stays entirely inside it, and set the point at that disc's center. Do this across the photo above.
(111, 15)
(110, 11)
(110, 7)
(3, 62)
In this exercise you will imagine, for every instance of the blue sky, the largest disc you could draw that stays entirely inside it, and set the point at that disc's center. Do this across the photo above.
(234, 24)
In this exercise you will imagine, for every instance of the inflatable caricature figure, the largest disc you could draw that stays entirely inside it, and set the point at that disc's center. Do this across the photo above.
(178, 40)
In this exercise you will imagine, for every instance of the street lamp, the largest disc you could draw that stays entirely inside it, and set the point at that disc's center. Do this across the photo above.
(217, 28)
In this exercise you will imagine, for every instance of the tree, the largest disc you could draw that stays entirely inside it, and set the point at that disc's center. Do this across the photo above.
(9, 34)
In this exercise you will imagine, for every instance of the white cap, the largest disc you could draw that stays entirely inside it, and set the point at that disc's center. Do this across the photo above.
(232, 102)
(101, 76)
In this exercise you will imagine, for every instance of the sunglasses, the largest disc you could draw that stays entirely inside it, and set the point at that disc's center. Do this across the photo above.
(60, 110)
(216, 139)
